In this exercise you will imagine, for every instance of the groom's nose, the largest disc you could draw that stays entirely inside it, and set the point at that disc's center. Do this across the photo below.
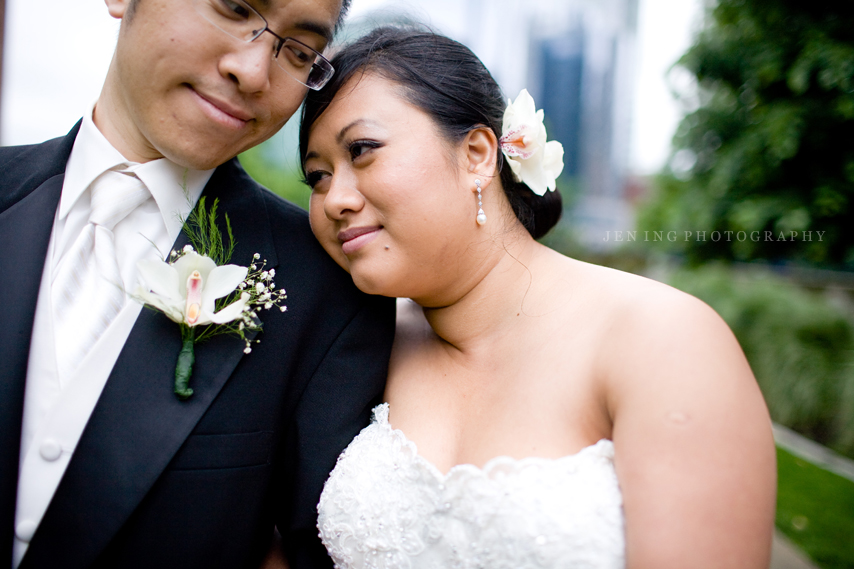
(250, 66)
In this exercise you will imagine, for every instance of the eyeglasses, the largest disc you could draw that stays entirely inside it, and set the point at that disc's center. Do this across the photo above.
(240, 20)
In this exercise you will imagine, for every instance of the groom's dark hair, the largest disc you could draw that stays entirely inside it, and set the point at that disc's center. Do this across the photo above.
(443, 78)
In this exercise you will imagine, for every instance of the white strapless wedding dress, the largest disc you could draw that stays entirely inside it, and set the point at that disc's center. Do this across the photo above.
(384, 507)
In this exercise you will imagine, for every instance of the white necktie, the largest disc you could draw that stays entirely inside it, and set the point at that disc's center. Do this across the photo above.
(87, 291)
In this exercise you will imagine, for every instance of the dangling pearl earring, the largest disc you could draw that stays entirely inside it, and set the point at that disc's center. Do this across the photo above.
(481, 217)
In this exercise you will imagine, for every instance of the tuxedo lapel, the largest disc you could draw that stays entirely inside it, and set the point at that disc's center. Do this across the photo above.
(31, 188)
(138, 424)
(24, 234)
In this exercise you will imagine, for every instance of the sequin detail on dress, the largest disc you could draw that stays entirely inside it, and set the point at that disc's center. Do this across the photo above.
(385, 507)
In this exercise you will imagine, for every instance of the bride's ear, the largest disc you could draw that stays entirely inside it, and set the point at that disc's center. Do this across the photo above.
(480, 148)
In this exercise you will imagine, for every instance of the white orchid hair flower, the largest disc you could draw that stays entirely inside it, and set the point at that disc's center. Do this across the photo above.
(534, 161)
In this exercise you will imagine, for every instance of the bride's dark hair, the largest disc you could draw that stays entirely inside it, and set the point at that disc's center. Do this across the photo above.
(447, 81)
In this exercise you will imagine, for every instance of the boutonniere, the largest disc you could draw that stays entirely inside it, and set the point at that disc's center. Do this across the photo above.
(197, 289)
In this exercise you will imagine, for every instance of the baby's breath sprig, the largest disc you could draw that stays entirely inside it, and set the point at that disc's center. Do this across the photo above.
(263, 295)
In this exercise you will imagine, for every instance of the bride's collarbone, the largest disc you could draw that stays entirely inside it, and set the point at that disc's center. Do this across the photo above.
(551, 361)
(510, 370)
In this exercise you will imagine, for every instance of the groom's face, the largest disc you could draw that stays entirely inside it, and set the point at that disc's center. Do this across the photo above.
(186, 90)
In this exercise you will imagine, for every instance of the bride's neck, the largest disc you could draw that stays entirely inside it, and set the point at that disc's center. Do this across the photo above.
(490, 309)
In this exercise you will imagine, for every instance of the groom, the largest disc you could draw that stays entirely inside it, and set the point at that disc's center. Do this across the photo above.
(101, 465)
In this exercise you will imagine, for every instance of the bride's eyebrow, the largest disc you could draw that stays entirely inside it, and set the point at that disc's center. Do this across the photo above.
(358, 122)
(339, 138)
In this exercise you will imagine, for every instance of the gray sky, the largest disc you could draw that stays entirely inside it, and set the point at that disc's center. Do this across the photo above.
(57, 53)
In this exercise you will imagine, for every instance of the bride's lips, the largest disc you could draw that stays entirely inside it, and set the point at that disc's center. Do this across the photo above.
(357, 237)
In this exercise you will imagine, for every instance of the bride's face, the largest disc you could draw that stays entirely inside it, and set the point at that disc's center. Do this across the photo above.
(390, 201)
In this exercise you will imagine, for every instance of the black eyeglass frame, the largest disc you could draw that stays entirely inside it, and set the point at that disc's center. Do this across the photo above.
(321, 63)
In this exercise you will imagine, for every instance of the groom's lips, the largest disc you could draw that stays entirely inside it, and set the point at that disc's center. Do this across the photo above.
(222, 111)
(357, 237)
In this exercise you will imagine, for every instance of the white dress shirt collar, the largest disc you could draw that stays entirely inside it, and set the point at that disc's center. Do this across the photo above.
(93, 155)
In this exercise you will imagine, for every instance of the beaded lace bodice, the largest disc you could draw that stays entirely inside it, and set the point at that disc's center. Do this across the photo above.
(384, 507)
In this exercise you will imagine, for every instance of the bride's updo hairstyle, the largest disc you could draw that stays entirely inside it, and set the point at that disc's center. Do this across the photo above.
(447, 81)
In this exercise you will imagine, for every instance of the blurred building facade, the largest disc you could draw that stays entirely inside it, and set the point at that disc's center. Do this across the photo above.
(582, 69)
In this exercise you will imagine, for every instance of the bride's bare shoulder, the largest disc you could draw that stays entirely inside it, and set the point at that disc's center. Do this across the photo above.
(652, 338)
(630, 311)
(689, 424)
(619, 294)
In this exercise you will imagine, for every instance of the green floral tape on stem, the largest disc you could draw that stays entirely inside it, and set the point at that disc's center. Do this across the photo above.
(184, 367)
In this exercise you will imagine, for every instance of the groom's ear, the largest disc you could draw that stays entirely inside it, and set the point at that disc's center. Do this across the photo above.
(118, 8)
(480, 148)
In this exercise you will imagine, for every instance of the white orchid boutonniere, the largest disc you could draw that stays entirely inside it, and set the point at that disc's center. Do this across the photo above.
(204, 295)
(535, 162)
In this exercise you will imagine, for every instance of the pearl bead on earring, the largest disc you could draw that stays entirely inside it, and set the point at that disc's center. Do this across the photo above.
(481, 217)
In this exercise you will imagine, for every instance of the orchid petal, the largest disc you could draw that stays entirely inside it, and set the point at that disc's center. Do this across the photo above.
(159, 277)
(173, 309)
(522, 111)
(232, 311)
(516, 167)
(223, 280)
(188, 263)
(534, 178)
(553, 161)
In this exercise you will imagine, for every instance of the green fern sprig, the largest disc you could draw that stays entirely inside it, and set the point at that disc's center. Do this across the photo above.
(205, 235)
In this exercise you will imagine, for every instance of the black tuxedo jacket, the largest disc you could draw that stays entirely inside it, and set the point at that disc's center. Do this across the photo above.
(156, 482)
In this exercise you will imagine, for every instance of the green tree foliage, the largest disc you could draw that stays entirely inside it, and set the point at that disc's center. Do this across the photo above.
(281, 180)
(772, 140)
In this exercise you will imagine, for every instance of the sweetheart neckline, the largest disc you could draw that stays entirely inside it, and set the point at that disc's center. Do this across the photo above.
(602, 447)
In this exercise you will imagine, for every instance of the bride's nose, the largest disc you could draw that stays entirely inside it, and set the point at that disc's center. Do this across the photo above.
(342, 198)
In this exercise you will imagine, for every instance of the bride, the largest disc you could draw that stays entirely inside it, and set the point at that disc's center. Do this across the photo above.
(540, 411)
